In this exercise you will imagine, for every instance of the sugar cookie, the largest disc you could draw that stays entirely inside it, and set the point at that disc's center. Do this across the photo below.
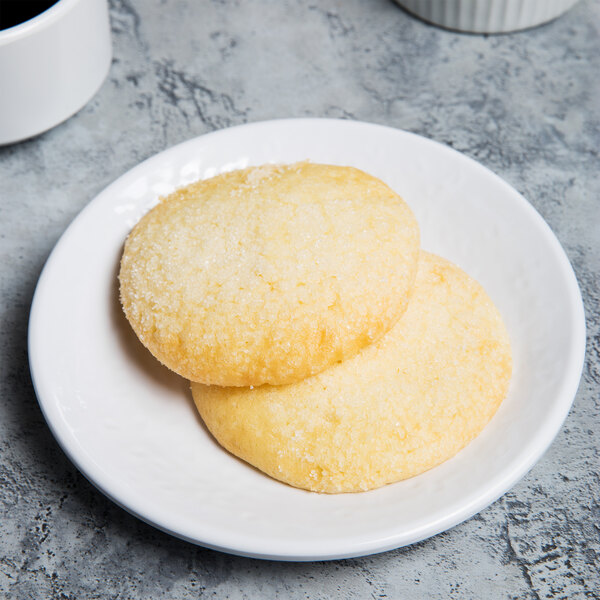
(269, 274)
(400, 407)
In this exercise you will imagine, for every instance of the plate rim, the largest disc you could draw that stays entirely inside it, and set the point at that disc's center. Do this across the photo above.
(537, 447)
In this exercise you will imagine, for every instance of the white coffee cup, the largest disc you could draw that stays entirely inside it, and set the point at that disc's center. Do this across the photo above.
(51, 65)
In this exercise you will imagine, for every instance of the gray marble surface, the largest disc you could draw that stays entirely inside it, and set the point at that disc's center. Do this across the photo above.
(526, 105)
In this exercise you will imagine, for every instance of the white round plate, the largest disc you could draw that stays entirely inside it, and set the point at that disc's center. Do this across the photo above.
(130, 425)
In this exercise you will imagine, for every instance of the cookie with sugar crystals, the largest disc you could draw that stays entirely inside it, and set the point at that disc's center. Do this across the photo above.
(400, 407)
(269, 274)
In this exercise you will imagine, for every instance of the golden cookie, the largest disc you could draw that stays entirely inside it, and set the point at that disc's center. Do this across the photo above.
(401, 406)
(269, 274)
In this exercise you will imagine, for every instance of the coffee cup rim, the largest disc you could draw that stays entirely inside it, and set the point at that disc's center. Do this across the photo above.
(41, 21)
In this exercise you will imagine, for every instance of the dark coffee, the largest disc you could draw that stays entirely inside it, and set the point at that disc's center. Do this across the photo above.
(14, 12)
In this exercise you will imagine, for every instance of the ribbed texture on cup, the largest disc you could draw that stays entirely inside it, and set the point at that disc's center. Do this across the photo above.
(487, 16)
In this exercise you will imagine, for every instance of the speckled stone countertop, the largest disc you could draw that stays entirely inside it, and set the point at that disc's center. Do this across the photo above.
(526, 105)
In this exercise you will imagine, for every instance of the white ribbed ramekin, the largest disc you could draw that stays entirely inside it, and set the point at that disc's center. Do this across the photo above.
(487, 16)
